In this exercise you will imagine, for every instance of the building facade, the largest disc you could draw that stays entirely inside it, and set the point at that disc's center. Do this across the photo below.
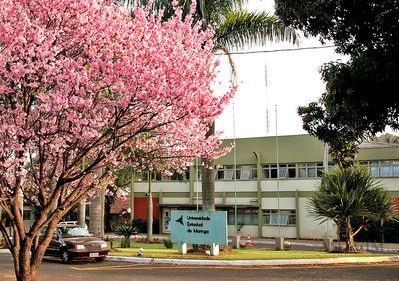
(264, 184)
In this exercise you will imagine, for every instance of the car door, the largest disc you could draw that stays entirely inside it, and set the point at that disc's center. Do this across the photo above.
(53, 248)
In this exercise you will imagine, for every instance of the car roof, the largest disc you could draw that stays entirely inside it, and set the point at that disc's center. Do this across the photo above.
(68, 225)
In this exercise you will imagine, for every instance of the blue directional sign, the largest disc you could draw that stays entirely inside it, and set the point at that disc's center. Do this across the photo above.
(199, 227)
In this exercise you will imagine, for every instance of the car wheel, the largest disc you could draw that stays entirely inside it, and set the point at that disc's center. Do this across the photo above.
(65, 256)
(100, 259)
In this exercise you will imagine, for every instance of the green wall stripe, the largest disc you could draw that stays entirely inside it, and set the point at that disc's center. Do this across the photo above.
(246, 194)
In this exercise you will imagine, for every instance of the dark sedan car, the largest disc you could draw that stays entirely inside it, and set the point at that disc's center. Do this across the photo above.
(75, 242)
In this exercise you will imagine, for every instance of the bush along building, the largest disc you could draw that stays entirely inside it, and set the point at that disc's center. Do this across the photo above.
(253, 196)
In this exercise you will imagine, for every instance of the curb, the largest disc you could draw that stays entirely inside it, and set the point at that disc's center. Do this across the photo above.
(349, 260)
(255, 262)
(319, 245)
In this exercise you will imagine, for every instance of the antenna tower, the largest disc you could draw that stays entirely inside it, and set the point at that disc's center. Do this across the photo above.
(267, 104)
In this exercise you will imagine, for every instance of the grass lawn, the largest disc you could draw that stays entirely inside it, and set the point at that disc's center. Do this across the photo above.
(226, 253)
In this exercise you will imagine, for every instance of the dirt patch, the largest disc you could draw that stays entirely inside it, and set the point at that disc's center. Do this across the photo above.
(222, 251)
(352, 252)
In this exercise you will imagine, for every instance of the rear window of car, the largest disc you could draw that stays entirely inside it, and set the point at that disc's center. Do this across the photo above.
(74, 232)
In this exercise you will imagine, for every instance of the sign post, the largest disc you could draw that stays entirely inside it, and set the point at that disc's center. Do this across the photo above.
(199, 227)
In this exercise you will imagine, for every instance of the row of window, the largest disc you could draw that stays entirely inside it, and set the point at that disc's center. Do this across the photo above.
(248, 172)
(270, 217)
(26, 215)
(245, 172)
(299, 170)
(382, 168)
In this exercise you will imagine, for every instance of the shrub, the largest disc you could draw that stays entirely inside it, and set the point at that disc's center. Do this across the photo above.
(168, 243)
(140, 225)
(125, 243)
(126, 229)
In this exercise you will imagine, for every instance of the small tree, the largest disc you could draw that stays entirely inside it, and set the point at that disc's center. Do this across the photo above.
(348, 193)
(127, 230)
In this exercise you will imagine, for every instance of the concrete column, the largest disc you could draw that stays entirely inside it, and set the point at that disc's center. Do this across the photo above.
(279, 243)
(328, 245)
(214, 249)
(182, 248)
(236, 241)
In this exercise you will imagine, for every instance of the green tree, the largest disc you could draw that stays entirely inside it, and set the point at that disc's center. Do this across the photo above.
(358, 101)
(348, 193)
(386, 138)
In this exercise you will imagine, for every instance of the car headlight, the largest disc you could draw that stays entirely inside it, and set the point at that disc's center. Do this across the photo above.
(79, 247)
(103, 245)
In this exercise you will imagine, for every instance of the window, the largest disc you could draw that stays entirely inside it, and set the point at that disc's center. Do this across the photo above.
(178, 176)
(303, 170)
(244, 172)
(286, 217)
(311, 170)
(158, 176)
(245, 216)
(224, 173)
(382, 168)
(395, 168)
(374, 170)
(282, 171)
(26, 215)
(228, 173)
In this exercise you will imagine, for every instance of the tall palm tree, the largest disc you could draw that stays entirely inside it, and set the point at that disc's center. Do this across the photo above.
(348, 193)
(236, 28)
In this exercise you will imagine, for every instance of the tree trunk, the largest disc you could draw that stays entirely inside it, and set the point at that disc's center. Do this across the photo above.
(96, 225)
(107, 213)
(26, 263)
(149, 209)
(23, 269)
(82, 212)
(208, 180)
(131, 218)
(350, 241)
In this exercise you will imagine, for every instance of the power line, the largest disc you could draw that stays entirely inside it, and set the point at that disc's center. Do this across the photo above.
(279, 50)
(300, 49)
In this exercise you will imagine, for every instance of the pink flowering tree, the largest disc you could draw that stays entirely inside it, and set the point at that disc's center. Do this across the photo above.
(82, 85)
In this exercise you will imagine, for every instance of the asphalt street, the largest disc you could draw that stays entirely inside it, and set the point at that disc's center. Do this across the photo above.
(53, 269)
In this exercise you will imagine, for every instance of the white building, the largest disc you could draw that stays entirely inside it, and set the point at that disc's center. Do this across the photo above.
(255, 195)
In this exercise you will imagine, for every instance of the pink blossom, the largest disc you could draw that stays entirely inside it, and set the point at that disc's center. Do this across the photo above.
(85, 88)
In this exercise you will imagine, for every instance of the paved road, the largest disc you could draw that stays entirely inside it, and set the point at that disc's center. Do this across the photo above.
(117, 271)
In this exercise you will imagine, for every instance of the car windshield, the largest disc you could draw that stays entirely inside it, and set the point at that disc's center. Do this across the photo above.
(77, 231)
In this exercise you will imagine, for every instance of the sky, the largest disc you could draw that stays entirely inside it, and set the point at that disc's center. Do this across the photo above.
(293, 80)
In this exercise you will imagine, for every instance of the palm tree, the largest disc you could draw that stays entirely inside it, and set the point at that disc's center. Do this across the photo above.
(348, 193)
(237, 28)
